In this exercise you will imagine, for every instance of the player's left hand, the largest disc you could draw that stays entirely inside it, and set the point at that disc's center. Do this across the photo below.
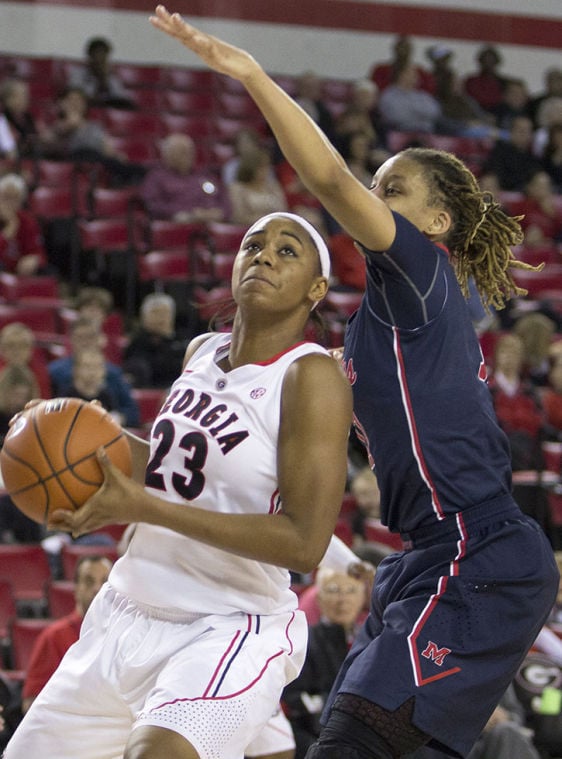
(117, 501)
(218, 55)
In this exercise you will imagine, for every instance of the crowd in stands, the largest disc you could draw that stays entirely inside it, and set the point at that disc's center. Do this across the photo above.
(165, 164)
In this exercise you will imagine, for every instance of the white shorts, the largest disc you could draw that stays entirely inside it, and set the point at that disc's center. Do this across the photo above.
(275, 737)
(215, 679)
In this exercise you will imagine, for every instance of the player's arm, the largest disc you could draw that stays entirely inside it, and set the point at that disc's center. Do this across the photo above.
(312, 465)
(321, 168)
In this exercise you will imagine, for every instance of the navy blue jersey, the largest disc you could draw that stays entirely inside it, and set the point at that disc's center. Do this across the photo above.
(421, 400)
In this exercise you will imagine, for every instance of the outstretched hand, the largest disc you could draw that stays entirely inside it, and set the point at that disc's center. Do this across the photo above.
(116, 502)
(218, 55)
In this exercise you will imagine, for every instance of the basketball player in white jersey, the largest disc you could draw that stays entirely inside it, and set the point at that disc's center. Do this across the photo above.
(186, 650)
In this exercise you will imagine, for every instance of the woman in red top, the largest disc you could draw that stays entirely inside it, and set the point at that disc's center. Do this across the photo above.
(22, 250)
(516, 403)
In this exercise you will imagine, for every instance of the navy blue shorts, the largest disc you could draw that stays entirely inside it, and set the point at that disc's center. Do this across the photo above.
(451, 620)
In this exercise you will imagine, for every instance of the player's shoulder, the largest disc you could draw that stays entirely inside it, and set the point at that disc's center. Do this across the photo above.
(195, 344)
(317, 370)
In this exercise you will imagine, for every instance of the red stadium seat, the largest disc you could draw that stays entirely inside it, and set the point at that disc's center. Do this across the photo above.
(26, 567)
(40, 317)
(194, 126)
(188, 80)
(123, 123)
(166, 234)
(137, 148)
(8, 610)
(60, 598)
(133, 75)
(188, 103)
(342, 303)
(23, 634)
(225, 237)
(237, 106)
(150, 401)
(14, 288)
(161, 266)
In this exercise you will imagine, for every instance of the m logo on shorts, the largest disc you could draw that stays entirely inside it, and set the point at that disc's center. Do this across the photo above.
(437, 655)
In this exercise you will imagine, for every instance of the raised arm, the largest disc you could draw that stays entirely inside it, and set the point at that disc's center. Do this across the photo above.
(321, 168)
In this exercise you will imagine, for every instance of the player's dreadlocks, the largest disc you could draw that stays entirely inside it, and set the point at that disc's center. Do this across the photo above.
(482, 235)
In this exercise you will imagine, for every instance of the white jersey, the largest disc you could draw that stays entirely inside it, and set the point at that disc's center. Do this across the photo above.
(213, 444)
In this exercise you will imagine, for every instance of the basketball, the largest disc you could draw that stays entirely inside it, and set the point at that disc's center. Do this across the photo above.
(48, 460)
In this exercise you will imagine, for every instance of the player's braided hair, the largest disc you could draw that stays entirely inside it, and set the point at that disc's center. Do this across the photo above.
(482, 235)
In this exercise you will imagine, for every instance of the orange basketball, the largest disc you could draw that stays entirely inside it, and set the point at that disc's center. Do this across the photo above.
(48, 460)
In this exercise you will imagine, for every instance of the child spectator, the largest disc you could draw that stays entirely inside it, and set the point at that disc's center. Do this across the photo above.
(18, 348)
(22, 249)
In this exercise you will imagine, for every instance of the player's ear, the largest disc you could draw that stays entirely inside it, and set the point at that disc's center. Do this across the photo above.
(319, 289)
(439, 224)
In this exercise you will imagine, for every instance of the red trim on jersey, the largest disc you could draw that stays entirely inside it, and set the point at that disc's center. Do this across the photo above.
(273, 359)
(416, 447)
(416, 632)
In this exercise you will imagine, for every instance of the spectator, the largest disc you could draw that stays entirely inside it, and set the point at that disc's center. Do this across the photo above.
(17, 386)
(97, 304)
(174, 189)
(365, 489)
(22, 250)
(362, 115)
(255, 192)
(460, 113)
(514, 102)
(548, 115)
(383, 74)
(542, 215)
(14, 103)
(154, 355)
(86, 335)
(512, 159)
(51, 645)
(247, 141)
(486, 84)
(516, 403)
(552, 88)
(552, 156)
(341, 599)
(89, 381)
(97, 79)
(537, 332)
(75, 136)
(552, 400)
(18, 348)
(308, 95)
(440, 57)
(405, 106)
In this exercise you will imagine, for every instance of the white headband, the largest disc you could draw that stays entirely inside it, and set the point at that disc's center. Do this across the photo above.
(321, 246)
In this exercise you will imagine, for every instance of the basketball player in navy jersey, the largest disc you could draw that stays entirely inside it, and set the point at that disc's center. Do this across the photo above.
(453, 615)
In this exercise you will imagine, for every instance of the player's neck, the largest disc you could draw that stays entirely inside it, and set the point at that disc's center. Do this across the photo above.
(252, 345)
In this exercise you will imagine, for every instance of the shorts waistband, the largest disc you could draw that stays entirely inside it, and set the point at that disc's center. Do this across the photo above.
(453, 526)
